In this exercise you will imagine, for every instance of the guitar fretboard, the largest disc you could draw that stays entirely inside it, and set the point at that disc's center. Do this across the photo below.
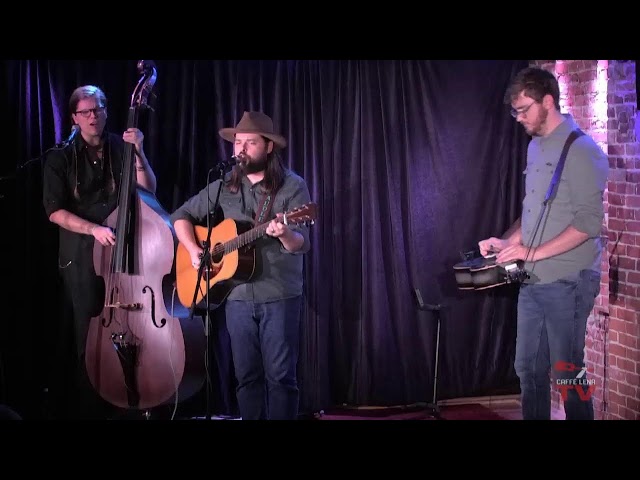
(241, 240)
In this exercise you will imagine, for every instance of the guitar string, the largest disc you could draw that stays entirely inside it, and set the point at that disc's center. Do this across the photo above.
(247, 237)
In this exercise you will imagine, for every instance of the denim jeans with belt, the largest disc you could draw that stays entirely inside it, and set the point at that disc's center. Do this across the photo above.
(265, 345)
(552, 322)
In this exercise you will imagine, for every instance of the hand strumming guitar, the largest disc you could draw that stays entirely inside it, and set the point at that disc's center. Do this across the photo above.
(196, 255)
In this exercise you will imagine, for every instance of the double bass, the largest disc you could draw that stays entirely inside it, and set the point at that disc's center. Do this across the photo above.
(143, 349)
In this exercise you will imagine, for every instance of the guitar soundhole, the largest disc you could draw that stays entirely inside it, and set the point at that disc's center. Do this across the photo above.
(217, 253)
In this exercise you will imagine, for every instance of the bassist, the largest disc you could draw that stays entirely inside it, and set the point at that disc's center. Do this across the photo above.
(80, 189)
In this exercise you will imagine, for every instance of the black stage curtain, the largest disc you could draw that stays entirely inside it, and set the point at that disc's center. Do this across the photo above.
(411, 163)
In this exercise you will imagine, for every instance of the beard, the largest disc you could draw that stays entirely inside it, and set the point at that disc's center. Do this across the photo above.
(254, 166)
(536, 128)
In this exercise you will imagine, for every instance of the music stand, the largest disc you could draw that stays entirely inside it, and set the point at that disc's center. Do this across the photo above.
(433, 407)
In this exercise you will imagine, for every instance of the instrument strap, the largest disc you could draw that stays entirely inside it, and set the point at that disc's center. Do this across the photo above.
(558, 172)
(264, 207)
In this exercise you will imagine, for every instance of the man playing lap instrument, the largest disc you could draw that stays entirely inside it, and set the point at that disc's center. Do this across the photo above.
(562, 256)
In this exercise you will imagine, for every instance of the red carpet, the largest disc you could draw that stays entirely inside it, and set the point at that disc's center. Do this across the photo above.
(472, 411)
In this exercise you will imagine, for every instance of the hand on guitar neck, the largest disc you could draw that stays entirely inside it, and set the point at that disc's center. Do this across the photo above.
(291, 240)
(276, 228)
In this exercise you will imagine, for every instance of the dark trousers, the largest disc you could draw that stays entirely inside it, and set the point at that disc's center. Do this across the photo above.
(552, 322)
(70, 393)
(265, 347)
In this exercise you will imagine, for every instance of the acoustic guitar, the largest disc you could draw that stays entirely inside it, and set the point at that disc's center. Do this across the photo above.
(481, 273)
(233, 256)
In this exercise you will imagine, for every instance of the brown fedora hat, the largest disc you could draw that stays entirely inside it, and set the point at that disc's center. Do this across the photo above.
(254, 122)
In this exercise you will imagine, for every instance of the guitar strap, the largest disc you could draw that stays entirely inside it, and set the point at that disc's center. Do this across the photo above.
(553, 184)
(558, 172)
(470, 276)
(264, 208)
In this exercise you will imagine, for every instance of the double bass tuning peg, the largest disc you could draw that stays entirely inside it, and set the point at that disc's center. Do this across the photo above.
(146, 105)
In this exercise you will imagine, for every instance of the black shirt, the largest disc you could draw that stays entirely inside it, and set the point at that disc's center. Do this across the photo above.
(77, 180)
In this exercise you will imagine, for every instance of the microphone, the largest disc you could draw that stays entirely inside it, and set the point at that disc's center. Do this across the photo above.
(240, 158)
(74, 131)
(234, 160)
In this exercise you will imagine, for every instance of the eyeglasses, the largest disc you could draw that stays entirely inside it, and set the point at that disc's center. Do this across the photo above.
(523, 111)
(87, 113)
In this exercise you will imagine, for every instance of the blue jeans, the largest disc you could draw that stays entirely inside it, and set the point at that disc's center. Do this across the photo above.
(265, 345)
(552, 323)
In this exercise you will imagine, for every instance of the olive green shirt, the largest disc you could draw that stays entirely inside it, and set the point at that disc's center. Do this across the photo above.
(279, 273)
(578, 201)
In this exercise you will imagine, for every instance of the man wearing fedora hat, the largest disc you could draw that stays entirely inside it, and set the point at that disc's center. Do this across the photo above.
(262, 315)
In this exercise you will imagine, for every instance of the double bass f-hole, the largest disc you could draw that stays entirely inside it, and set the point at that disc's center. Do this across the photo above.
(163, 321)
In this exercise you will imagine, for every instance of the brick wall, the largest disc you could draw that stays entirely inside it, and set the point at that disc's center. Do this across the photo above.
(601, 96)
(622, 392)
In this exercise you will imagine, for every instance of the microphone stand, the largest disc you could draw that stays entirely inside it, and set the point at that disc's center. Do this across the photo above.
(12, 176)
(203, 268)
(6, 177)
(436, 309)
(433, 406)
(22, 166)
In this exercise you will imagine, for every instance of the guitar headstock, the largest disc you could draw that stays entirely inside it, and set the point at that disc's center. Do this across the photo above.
(303, 215)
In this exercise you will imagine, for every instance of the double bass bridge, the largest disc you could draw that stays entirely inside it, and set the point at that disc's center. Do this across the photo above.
(133, 307)
(125, 306)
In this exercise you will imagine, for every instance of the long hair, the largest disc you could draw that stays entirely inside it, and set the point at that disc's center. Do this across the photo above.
(107, 160)
(273, 174)
(82, 93)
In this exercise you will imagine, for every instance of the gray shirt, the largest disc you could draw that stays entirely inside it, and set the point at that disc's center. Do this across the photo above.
(279, 273)
(578, 201)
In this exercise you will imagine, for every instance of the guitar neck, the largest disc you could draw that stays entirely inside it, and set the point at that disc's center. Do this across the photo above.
(305, 213)
(245, 238)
